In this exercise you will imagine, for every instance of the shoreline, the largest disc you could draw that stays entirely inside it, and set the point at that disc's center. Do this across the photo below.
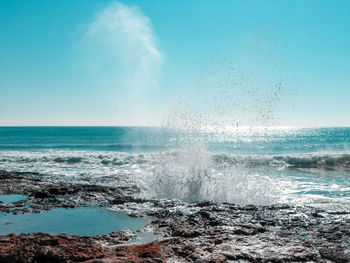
(199, 232)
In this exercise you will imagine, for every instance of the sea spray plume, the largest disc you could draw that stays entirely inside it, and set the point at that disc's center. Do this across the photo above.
(191, 172)
(126, 34)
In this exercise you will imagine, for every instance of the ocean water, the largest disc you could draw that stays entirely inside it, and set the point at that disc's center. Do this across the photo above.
(242, 165)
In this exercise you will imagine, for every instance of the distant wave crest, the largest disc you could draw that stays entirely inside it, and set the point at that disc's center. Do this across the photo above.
(323, 160)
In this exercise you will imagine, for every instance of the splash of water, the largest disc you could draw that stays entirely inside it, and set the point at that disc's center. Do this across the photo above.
(193, 175)
(190, 172)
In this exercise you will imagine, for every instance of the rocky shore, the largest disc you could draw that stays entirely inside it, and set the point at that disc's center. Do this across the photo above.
(200, 232)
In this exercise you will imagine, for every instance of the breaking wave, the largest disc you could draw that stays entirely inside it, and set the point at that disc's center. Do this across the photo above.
(323, 160)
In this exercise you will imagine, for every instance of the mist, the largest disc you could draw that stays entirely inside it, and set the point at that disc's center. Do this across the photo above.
(122, 42)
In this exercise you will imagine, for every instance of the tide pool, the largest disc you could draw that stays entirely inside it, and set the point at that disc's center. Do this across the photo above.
(81, 221)
(6, 199)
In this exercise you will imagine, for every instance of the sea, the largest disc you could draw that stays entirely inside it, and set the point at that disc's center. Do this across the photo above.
(231, 164)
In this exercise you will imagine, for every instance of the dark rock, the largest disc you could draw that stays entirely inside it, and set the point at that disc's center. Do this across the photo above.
(336, 254)
(203, 232)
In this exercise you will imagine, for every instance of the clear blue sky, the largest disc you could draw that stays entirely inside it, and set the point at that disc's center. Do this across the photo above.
(81, 62)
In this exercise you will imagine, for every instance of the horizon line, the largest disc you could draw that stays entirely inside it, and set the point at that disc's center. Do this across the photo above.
(242, 126)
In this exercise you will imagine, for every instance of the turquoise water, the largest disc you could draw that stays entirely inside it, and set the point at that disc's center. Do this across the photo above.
(125, 139)
(6, 199)
(244, 140)
(244, 165)
(81, 221)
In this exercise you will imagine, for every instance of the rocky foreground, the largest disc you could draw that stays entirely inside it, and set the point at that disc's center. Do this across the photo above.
(202, 232)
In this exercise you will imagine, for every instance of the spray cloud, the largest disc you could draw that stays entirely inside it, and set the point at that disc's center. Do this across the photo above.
(128, 41)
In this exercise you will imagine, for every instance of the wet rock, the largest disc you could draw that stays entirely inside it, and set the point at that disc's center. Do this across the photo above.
(336, 254)
(48, 248)
(42, 195)
(30, 248)
(151, 252)
(45, 194)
